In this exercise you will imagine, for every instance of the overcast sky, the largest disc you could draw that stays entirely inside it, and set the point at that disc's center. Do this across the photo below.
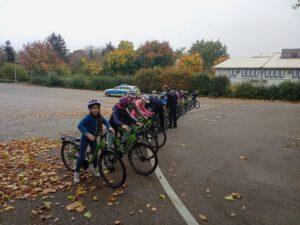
(247, 27)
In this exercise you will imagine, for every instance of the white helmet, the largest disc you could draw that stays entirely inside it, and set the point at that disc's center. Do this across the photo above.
(145, 98)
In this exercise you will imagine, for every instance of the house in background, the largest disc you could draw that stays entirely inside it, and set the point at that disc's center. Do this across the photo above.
(265, 69)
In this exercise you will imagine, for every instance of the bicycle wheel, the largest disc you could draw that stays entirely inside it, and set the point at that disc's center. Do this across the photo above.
(142, 159)
(69, 155)
(197, 104)
(160, 134)
(166, 122)
(112, 169)
(151, 139)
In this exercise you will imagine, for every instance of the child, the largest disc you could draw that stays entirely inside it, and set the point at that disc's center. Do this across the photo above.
(90, 126)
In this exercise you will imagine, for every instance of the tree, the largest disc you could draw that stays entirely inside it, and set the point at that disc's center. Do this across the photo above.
(209, 52)
(192, 62)
(9, 51)
(120, 61)
(155, 53)
(89, 67)
(216, 62)
(73, 59)
(38, 58)
(107, 49)
(2, 56)
(125, 45)
(57, 44)
(93, 53)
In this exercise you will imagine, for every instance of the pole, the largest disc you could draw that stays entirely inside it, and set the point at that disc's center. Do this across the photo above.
(16, 73)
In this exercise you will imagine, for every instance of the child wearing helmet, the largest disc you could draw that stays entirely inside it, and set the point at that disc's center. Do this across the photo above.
(90, 126)
(140, 104)
(120, 117)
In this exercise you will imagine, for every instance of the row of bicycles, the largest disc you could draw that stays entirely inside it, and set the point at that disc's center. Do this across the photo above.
(141, 145)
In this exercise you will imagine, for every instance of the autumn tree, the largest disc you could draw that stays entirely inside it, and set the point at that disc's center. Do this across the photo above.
(120, 61)
(9, 52)
(37, 57)
(209, 51)
(57, 43)
(93, 53)
(125, 45)
(89, 67)
(192, 62)
(216, 62)
(108, 48)
(155, 53)
(73, 59)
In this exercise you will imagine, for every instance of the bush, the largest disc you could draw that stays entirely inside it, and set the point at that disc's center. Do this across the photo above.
(289, 90)
(176, 78)
(54, 80)
(202, 83)
(39, 79)
(219, 86)
(78, 82)
(148, 79)
(285, 91)
(7, 72)
(104, 82)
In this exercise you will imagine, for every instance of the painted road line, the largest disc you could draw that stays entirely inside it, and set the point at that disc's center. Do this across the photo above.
(183, 211)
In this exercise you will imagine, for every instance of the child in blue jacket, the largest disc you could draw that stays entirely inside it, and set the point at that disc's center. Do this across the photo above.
(90, 126)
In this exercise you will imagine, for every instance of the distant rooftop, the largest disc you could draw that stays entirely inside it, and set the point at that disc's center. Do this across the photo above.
(288, 58)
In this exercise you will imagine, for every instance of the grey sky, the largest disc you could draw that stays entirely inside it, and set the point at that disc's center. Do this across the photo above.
(247, 27)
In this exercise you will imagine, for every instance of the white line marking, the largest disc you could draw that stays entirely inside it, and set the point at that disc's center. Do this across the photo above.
(184, 212)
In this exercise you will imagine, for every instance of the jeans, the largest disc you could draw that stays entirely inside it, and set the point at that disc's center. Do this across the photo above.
(159, 112)
(84, 142)
(172, 115)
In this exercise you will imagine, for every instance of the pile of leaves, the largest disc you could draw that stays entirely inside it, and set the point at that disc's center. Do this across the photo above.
(27, 170)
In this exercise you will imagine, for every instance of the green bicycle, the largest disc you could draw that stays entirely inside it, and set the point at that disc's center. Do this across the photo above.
(157, 136)
(141, 156)
(110, 165)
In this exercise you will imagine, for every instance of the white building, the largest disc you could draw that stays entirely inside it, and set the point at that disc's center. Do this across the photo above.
(265, 69)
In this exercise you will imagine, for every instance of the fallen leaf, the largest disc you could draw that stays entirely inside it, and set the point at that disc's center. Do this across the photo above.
(117, 222)
(88, 214)
(229, 198)
(55, 220)
(236, 195)
(154, 209)
(95, 198)
(71, 197)
(243, 157)
(203, 217)
(162, 196)
(232, 214)
(148, 205)
(140, 211)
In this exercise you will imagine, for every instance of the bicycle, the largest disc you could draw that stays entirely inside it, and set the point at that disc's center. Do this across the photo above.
(150, 125)
(130, 143)
(109, 163)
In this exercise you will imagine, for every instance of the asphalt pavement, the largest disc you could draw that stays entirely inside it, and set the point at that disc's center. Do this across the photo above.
(228, 146)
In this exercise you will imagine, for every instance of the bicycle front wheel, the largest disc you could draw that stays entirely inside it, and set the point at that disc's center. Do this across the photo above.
(142, 159)
(112, 169)
(160, 135)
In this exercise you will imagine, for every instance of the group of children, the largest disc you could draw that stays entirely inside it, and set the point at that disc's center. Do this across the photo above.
(124, 114)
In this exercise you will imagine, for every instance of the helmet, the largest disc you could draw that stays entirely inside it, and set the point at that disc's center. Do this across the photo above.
(131, 94)
(145, 98)
(124, 101)
(154, 92)
(93, 102)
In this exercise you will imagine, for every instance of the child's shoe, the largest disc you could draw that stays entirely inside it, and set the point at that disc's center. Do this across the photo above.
(76, 177)
(95, 172)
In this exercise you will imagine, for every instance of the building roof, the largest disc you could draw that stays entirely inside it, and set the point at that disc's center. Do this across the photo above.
(262, 61)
